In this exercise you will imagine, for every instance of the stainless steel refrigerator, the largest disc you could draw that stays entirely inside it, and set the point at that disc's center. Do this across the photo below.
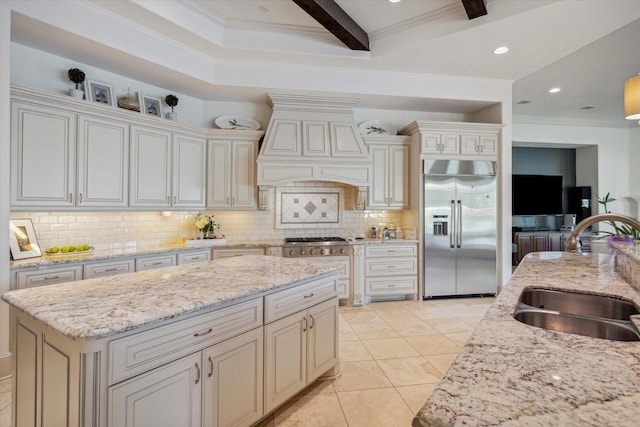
(460, 222)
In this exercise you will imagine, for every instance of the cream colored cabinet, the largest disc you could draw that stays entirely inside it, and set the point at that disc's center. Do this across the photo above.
(440, 143)
(390, 175)
(231, 182)
(109, 268)
(192, 257)
(43, 156)
(233, 381)
(478, 144)
(456, 139)
(298, 349)
(229, 253)
(47, 276)
(64, 160)
(167, 170)
(152, 262)
(167, 396)
(103, 162)
(273, 251)
(391, 270)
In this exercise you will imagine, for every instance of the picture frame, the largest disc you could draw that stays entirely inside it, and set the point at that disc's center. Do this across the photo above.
(150, 105)
(100, 92)
(22, 239)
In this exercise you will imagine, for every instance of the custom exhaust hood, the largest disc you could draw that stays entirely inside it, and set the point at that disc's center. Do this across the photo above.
(312, 138)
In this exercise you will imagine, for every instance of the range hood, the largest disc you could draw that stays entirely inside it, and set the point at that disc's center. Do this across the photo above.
(312, 138)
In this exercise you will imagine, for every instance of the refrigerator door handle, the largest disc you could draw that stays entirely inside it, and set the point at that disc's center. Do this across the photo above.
(452, 231)
(459, 225)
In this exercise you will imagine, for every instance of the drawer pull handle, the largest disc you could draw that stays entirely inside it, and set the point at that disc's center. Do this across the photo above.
(201, 334)
(197, 373)
(391, 266)
(111, 269)
(313, 322)
(308, 296)
(304, 328)
(210, 367)
(392, 285)
(50, 278)
(158, 263)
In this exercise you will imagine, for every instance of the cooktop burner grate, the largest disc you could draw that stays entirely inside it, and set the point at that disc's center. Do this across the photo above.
(313, 239)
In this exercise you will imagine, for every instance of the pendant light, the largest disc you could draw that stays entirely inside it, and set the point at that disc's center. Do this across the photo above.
(632, 98)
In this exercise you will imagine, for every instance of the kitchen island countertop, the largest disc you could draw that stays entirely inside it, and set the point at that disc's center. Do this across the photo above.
(510, 373)
(101, 307)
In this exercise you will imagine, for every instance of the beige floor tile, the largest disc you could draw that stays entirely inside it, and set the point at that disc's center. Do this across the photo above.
(362, 317)
(375, 408)
(311, 410)
(442, 361)
(387, 348)
(397, 315)
(459, 338)
(409, 371)
(369, 331)
(345, 332)
(321, 386)
(448, 325)
(428, 313)
(353, 351)
(415, 327)
(361, 376)
(416, 395)
(432, 344)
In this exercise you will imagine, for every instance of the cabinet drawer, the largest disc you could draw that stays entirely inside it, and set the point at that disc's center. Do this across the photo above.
(153, 262)
(111, 268)
(343, 288)
(391, 285)
(391, 249)
(228, 253)
(193, 257)
(388, 267)
(140, 352)
(50, 276)
(284, 303)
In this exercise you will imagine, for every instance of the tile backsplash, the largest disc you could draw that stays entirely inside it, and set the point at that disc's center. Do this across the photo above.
(112, 230)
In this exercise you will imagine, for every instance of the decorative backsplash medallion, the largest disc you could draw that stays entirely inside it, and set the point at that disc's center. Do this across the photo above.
(309, 207)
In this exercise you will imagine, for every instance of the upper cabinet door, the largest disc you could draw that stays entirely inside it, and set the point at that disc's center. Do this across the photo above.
(398, 176)
(378, 194)
(243, 194)
(189, 171)
(219, 174)
(103, 162)
(43, 142)
(150, 184)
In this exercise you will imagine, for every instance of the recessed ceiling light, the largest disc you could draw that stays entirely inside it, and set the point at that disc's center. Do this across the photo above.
(500, 50)
(554, 90)
(394, 1)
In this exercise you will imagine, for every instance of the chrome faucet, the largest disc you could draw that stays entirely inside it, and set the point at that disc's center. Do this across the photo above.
(573, 244)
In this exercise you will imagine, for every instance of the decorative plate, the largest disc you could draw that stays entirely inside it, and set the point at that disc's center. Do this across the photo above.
(236, 122)
(376, 127)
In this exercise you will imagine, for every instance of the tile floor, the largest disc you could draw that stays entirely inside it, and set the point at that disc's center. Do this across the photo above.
(393, 354)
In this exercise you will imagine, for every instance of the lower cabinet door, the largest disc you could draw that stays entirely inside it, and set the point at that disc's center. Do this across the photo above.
(322, 338)
(285, 359)
(233, 387)
(168, 396)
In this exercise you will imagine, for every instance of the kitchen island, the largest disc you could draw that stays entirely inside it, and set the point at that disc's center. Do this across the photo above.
(191, 345)
(513, 374)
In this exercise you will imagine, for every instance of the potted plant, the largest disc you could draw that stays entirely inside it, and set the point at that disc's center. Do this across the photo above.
(622, 232)
(77, 76)
(171, 101)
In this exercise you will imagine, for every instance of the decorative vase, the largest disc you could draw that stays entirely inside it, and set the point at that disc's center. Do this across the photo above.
(76, 93)
(171, 116)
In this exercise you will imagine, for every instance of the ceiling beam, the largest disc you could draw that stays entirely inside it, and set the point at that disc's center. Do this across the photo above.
(474, 8)
(333, 18)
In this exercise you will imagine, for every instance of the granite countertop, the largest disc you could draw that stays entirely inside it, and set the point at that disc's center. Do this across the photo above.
(101, 307)
(510, 373)
(103, 255)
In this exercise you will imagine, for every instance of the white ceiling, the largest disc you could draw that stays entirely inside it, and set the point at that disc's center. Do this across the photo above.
(586, 47)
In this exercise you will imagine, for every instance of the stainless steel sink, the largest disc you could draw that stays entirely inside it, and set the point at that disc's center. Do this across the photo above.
(580, 325)
(578, 303)
(578, 313)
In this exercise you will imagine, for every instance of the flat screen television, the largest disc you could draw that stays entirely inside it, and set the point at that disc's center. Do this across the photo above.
(537, 195)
